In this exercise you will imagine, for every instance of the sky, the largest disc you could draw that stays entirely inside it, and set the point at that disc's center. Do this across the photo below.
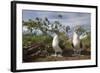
(68, 18)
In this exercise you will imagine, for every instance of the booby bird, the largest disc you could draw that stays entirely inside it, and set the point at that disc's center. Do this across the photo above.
(55, 45)
(76, 44)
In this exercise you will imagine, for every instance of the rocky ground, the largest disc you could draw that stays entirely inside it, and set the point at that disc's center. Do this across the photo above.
(67, 55)
(52, 58)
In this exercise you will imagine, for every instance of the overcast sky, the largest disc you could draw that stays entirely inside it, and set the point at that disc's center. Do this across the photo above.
(68, 18)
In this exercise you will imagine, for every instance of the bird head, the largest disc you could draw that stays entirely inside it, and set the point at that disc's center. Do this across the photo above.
(77, 29)
(56, 32)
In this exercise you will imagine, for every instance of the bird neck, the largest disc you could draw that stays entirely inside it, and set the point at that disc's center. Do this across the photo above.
(55, 39)
(56, 36)
(75, 36)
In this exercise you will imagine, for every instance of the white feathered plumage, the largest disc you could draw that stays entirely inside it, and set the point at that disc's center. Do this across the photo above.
(76, 43)
(55, 45)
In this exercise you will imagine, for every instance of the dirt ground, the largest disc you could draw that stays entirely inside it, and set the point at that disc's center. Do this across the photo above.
(67, 55)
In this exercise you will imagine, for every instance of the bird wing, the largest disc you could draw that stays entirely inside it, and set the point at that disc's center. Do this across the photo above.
(57, 48)
(81, 45)
(72, 45)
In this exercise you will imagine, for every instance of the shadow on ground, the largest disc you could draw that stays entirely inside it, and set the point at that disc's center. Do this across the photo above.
(43, 56)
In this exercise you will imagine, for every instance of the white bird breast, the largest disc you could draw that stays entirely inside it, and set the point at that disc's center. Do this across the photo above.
(55, 40)
(76, 40)
(55, 44)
